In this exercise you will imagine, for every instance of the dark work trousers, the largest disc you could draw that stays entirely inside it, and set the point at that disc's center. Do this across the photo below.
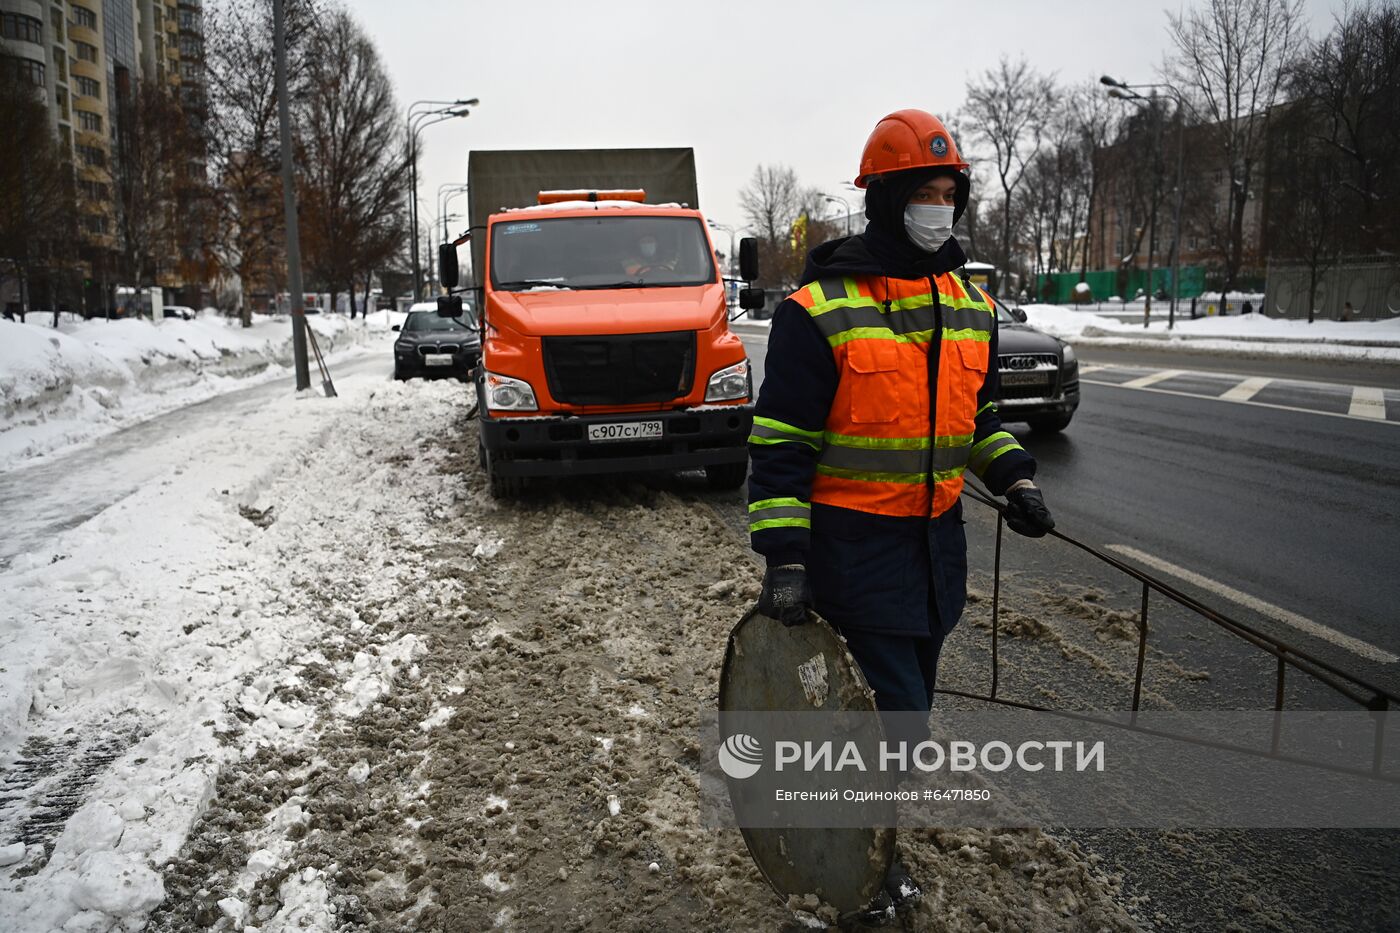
(899, 668)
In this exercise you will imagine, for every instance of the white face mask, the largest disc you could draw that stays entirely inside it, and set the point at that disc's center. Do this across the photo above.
(648, 248)
(928, 225)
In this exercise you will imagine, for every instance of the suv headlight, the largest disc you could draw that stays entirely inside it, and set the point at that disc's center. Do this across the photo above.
(729, 384)
(1067, 357)
(506, 394)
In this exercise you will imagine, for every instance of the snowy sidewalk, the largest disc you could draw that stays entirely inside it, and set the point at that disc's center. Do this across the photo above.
(63, 387)
(167, 636)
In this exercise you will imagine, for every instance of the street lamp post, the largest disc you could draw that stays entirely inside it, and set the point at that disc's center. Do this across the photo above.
(730, 230)
(453, 189)
(431, 271)
(417, 120)
(844, 203)
(1117, 87)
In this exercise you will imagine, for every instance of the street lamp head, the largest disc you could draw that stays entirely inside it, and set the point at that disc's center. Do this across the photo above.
(467, 103)
(1110, 81)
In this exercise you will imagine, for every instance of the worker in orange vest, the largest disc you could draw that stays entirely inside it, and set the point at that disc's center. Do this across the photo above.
(879, 393)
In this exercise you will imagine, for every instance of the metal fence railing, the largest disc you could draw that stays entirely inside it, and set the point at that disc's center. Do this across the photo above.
(1359, 692)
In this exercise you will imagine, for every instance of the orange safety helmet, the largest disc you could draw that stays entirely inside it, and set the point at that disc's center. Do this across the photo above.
(908, 139)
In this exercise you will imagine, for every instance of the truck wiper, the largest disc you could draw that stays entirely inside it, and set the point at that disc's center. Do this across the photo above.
(531, 283)
(631, 283)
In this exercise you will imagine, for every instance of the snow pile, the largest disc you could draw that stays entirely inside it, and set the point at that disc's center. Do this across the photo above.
(1254, 334)
(59, 387)
(191, 626)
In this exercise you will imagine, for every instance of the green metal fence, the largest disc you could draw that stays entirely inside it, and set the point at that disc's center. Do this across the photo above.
(1058, 287)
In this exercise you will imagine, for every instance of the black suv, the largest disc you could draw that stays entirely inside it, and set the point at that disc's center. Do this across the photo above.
(429, 345)
(1039, 374)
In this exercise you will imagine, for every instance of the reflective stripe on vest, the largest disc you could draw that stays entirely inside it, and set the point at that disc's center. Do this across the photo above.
(908, 320)
(876, 454)
(779, 513)
(773, 431)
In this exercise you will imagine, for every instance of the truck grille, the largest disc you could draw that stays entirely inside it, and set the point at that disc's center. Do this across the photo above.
(628, 369)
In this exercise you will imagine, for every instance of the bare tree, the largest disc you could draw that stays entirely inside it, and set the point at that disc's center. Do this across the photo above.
(37, 213)
(1347, 85)
(243, 138)
(1007, 109)
(351, 196)
(154, 146)
(1096, 120)
(1305, 223)
(774, 202)
(1232, 57)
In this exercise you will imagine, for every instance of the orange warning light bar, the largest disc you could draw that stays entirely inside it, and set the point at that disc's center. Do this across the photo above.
(555, 197)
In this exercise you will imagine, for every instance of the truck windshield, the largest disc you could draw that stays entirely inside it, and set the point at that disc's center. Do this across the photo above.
(599, 252)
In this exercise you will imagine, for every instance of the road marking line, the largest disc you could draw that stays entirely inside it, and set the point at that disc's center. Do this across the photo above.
(1277, 613)
(1091, 369)
(1216, 398)
(1247, 390)
(1367, 402)
(1160, 375)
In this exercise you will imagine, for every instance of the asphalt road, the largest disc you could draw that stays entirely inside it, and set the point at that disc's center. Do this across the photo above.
(1339, 371)
(1284, 519)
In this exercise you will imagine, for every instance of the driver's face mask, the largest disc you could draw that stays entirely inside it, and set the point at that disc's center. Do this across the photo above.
(648, 248)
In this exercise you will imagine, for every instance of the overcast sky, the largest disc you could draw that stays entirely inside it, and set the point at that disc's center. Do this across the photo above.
(743, 83)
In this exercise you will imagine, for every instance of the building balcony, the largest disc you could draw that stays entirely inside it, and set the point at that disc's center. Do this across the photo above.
(86, 69)
(84, 34)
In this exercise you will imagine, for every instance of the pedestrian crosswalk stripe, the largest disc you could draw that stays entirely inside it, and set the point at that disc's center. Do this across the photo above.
(1161, 375)
(1367, 402)
(1247, 390)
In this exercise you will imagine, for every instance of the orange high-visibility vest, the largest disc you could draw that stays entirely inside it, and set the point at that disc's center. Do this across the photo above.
(879, 451)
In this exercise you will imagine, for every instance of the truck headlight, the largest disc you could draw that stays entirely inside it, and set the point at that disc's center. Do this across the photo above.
(506, 394)
(729, 384)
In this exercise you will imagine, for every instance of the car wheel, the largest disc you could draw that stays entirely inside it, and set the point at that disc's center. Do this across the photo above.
(1049, 424)
(398, 373)
(726, 475)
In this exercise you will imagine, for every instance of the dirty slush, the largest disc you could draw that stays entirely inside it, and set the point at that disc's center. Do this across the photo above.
(532, 762)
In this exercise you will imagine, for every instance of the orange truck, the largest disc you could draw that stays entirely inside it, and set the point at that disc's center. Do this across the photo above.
(606, 345)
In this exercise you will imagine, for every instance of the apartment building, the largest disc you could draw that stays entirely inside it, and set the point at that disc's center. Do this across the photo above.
(83, 56)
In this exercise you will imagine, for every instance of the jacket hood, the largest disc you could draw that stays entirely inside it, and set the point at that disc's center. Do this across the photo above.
(872, 253)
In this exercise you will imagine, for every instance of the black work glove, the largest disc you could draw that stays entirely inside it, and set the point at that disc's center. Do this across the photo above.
(1026, 513)
(786, 594)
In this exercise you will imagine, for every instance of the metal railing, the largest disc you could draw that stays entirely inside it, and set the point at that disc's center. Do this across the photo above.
(1358, 691)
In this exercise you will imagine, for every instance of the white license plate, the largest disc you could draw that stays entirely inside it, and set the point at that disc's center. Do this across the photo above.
(1025, 379)
(437, 359)
(624, 431)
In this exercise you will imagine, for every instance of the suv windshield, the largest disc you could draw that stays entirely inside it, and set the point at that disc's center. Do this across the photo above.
(600, 252)
(429, 320)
